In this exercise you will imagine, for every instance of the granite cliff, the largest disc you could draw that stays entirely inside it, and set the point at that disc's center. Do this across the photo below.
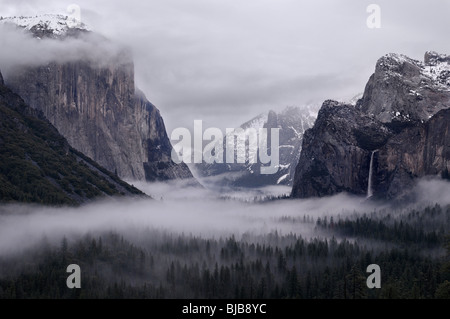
(397, 132)
(96, 106)
(37, 164)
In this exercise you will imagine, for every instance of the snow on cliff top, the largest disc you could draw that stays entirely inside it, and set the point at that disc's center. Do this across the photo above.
(435, 68)
(56, 23)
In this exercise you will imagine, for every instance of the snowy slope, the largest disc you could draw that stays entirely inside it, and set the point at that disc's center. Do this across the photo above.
(292, 122)
(437, 69)
(53, 25)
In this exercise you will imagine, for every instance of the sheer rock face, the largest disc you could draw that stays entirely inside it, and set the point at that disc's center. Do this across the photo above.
(37, 164)
(95, 105)
(418, 150)
(97, 109)
(336, 152)
(408, 133)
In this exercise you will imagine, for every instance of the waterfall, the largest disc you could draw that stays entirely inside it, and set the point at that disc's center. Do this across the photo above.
(369, 185)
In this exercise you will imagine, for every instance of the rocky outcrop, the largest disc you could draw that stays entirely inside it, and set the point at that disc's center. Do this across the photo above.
(403, 120)
(158, 164)
(403, 89)
(336, 150)
(98, 109)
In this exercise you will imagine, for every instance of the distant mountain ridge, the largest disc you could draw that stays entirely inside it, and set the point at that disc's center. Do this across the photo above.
(292, 122)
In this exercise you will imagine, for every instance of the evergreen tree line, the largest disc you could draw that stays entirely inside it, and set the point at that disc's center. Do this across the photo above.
(425, 227)
(163, 265)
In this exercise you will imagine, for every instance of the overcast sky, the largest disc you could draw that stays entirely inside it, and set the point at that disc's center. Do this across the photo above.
(225, 61)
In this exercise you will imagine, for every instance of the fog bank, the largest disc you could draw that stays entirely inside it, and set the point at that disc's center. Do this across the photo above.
(187, 210)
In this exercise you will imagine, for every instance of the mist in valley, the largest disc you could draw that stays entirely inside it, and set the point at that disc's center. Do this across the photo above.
(189, 242)
(174, 207)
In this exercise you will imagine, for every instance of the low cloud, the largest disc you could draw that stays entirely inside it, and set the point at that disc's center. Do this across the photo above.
(190, 211)
(19, 48)
(227, 61)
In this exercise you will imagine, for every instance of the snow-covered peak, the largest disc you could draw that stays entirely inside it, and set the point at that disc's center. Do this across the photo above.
(50, 24)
